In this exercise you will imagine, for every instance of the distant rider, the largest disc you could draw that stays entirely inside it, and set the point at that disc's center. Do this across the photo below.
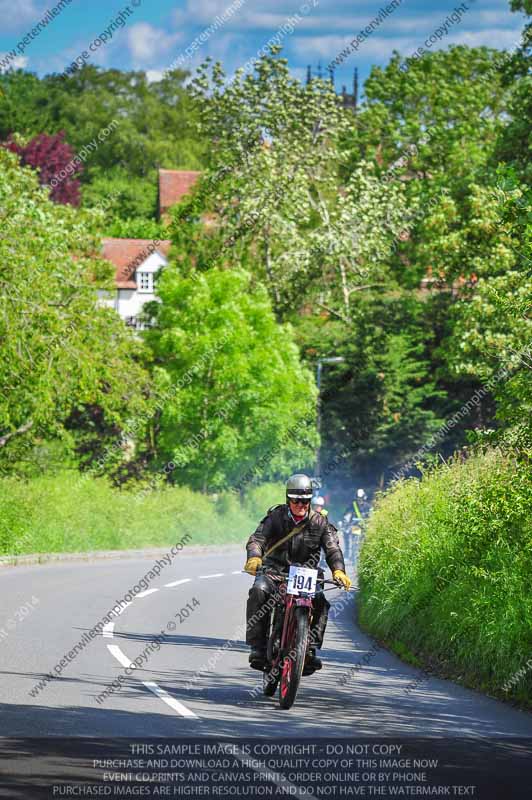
(360, 503)
(318, 504)
(290, 533)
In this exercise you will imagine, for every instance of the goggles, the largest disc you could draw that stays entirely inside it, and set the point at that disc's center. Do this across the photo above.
(299, 501)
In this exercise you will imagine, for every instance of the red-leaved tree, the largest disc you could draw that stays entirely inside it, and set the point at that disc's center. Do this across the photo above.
(54, 159)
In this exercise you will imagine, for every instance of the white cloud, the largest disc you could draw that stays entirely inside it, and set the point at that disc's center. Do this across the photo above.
(489, 37)
(147, 42)
(500, 17)
(17, 15)
(327, 47)
(336, 21)
(352, 25)
(380, 47)
(19, 62)
(203, 12)
(348, 25)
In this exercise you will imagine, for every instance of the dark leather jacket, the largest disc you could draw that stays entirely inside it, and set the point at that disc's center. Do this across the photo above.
(304, 547)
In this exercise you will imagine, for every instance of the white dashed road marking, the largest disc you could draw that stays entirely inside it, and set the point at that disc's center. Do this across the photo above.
(165, 697)
(119, 655)
(177, 583)
(169, 700)
(147, 592)
(108, 632)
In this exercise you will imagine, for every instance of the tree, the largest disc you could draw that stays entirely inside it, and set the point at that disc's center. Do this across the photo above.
(433, 125)
(136, 228)
(155, 119)
(439, 113)
(491, 327)
(514, 142)
(273, 184)
(381, 403)
(61, 351)
(132, 197)
(239, 386)
(53, 158)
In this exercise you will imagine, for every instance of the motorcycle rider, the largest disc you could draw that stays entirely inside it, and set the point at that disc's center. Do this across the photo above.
(360, 503)
(290, 533)
(318, 504)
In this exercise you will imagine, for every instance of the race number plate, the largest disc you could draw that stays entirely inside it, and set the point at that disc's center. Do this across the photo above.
(302, 579)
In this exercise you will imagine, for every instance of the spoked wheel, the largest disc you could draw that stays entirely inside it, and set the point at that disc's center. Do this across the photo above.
(270, 680)
(294, 661)
(270, 676)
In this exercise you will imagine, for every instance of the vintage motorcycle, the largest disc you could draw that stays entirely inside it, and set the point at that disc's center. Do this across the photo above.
(289, 631)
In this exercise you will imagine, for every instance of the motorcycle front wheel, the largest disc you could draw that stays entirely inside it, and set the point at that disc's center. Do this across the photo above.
(294, 661)
(270, 681)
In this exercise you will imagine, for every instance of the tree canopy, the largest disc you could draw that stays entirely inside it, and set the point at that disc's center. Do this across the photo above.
(126, 127)
(396, 238)
(62, 352)
(239, 384)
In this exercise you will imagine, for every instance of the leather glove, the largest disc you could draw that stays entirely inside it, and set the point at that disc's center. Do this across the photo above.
(340, 576)
(252, 564)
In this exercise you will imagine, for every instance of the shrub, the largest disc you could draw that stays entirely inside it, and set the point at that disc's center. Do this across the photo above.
(73, 513)
(446, 570)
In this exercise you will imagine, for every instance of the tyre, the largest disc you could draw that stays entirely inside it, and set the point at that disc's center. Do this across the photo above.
(274, 639)
(270, 681)
(294, 661)
(270, 677)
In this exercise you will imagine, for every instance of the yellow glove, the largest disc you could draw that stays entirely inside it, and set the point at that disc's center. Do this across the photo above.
(340, 576)
(252, 565)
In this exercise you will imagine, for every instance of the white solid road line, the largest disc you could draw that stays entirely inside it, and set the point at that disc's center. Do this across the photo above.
(169, 700)
(177, 583)
(147, 592)
(216, 575)
(238, 572)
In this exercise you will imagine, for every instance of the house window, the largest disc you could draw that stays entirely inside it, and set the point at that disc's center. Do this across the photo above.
(145, 281)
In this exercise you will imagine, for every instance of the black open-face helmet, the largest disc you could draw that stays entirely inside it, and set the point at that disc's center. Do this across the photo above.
(298, 487)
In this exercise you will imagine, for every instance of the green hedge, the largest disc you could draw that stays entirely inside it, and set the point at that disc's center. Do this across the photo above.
(76, 514)
(446, 572)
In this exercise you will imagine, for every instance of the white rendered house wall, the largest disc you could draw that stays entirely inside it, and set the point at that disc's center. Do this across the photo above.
(129, 302)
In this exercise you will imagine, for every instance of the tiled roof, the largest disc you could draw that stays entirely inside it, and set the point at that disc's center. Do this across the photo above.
(128, 254)
(173, 184)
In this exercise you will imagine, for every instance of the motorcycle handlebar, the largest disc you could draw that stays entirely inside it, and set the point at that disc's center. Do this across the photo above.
(335, 584)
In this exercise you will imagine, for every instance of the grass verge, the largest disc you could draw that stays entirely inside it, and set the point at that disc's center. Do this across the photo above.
(75, 514)
(446, 572)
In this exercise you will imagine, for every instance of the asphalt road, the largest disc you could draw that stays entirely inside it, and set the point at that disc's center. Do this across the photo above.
(175, 692)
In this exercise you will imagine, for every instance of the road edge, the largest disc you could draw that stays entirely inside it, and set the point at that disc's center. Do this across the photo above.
(98, 555)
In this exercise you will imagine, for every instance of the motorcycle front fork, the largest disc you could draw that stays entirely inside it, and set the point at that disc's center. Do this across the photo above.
(274, 642)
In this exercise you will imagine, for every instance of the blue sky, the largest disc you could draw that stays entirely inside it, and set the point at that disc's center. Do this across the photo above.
(157, 32)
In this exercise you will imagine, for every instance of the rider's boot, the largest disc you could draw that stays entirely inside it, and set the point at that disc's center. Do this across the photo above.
(313, 663)
(257, 658)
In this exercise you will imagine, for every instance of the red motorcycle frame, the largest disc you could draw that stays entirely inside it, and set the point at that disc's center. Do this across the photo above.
(288, 642)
